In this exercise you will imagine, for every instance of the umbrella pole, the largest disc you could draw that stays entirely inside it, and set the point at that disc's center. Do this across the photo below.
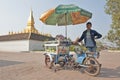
(66, 26)
(66, 32)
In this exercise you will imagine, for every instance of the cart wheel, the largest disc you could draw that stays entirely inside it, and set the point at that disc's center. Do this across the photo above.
(48, 63)
(92, 66)
(61, 63)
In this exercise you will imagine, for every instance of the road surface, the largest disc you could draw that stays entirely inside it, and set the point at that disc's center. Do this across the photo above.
(30, 66)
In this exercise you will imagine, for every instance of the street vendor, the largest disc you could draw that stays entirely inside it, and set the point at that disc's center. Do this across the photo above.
(89, 37)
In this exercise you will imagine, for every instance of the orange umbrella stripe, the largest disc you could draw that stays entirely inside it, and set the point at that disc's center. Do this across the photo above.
(77, 18)
(46, 15)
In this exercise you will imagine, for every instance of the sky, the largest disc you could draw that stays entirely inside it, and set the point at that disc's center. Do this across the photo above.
(14, 15)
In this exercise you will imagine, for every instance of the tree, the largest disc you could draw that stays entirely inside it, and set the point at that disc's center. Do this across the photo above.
(112, 8)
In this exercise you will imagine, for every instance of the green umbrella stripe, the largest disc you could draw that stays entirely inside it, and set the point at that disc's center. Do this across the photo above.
(86, 13)
(60, 11)
(67, 8)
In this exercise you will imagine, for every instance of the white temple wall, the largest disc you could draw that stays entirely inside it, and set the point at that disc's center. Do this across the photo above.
(14, 46)
(21, 45)
(36, 45)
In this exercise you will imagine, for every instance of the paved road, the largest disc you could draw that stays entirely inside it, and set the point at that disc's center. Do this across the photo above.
(30, 66)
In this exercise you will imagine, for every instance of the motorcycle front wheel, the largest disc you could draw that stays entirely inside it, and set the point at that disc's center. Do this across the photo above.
(92, 66)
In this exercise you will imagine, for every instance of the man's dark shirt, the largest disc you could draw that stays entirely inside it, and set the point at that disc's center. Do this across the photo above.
(94, 35)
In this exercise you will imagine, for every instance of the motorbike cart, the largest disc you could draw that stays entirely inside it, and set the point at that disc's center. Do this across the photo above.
(57, 52)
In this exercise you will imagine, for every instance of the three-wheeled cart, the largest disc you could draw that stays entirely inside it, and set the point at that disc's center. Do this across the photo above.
(58, 52)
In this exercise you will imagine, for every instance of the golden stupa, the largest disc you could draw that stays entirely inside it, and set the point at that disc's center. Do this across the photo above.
(30, 27)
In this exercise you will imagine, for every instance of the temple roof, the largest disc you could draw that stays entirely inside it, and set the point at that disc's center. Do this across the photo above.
(29, 33)
(25, 36)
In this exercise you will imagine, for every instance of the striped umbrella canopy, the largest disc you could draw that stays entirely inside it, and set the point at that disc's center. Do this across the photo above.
(64, 15)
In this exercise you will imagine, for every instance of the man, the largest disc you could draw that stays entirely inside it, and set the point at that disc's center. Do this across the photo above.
(89, 37)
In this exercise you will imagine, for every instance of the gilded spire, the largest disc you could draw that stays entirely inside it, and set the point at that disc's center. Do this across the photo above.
(30, 24)
(31, 19)
(30, 27)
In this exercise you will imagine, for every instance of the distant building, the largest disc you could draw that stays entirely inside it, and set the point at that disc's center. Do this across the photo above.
(29, 39)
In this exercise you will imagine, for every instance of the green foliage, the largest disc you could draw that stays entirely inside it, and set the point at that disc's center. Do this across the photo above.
(72, 48)
(83, 48)
(113, 8)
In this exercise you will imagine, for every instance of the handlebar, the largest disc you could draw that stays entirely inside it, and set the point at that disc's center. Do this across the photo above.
(68, 43)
